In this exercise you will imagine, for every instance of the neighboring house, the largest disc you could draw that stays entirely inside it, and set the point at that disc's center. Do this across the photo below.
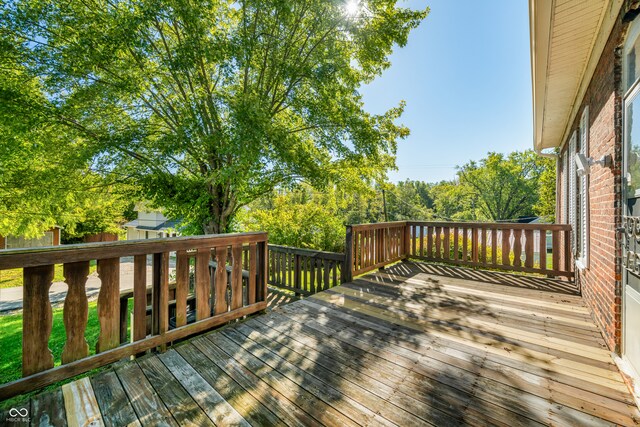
(586, 79)
(49, 238)
(150, 224)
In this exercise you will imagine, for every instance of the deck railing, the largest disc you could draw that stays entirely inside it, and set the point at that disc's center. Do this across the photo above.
(371, 246)
(221, 295)
(532, 248)
(304, 271)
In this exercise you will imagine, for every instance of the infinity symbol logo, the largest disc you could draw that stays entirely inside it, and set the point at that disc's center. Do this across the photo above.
(21, 412)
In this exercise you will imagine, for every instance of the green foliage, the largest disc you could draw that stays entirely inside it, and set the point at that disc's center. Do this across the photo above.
(11, 339)
(211, 105)
(545, 207)
(301, 218)
(453, 201)
(504, 187)
(45, 165)
(408, 200)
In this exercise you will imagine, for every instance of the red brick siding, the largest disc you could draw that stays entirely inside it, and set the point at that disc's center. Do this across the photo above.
(600, 282)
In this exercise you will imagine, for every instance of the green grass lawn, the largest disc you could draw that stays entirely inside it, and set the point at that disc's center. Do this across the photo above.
(12, 278)
(11, 340)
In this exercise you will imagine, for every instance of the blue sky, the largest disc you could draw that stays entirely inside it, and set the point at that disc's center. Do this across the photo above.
(465, 75)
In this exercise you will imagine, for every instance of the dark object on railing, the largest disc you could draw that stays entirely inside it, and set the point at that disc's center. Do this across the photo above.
(305, 271)
(246, 297)
(531, 248)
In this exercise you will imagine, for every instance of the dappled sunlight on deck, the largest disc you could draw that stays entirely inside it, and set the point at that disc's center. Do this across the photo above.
(415, 344)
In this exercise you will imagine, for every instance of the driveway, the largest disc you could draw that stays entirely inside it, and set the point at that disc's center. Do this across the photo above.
(11, 298)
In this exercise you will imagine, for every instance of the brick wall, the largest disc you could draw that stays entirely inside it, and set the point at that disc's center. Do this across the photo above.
(600, 283)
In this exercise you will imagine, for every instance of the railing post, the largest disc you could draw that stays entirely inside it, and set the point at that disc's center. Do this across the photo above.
(347, 270)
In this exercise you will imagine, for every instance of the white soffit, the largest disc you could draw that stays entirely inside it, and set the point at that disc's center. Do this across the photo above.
(567, 38)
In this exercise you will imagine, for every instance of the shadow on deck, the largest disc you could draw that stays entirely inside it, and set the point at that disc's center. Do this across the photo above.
(415, 344)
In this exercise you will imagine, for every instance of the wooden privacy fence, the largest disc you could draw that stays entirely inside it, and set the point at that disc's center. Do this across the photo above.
(304, 271)
(221, 295)
(532, 248)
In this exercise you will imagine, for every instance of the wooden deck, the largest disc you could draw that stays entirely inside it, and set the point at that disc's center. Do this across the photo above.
(415, 345)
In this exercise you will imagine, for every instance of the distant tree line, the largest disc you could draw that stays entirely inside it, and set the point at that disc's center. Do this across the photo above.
(497, 188)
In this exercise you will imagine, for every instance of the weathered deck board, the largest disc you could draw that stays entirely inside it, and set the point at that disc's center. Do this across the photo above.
(415, 344)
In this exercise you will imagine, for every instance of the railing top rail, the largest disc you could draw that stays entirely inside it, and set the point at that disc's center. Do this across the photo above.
(307, 252)
(494, 225)
(33, 257)
(376, 225)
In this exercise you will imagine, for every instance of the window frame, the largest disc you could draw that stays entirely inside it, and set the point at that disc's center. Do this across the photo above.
(582, 200)
(572, 193)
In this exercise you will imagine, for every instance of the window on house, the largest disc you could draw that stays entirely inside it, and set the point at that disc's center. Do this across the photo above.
(571, 194)
(565, 187)
(582, 214)
(632, 58)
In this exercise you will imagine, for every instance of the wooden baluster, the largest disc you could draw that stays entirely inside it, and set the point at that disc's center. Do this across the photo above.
(384, 246)
(305, 272)
(36, 319)
(262, 270)
(312, 276)
(221, 280)
(405, 239)
(357, 254)
(160, 296)
(318, 268)
(474, 245)
(327, 274)
(370, 260)
(272, 264)
(421, 241)
(236, 277)
(76, 311)
(567, 251)
(292, 270)
(456, 243)
(528, 248)
(335, 273)
(414, 237)
(139, 323)
(483, 246)
(109, 304)
(447, 240)
(253, 272)
(438, 243)
(465, 244)
(555, 249)
(182, 287)
(506, 249)
(517, 247)
(276, 268)
(494, 246)
(543, 249)
(203, 281)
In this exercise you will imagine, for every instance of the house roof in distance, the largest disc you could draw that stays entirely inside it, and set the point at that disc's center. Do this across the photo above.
(163, 226)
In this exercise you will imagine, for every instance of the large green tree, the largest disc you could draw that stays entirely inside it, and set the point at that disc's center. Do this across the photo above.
(506, 187)
(211, 104)
(45, 171)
